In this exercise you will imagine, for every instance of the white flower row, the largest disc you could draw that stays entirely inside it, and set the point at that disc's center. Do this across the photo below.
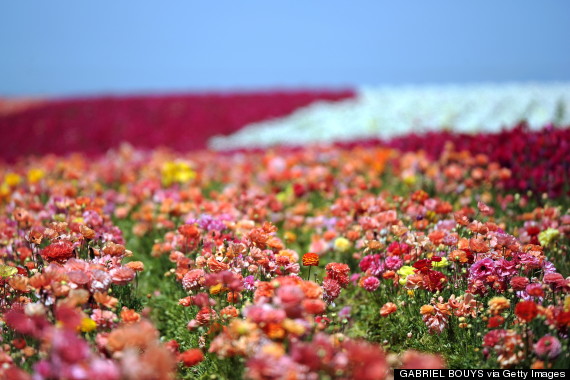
(391, 111)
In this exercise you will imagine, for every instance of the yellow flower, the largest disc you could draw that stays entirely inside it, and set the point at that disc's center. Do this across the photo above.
(35, 175)
(7, 271)
(242, 327)
(290, 237)
(87, 325)
(440, 264)
(216, 288)
(404, 272)
(567, 303)
(4, 189)
(548, 236)
(176, 171)
(342, 244)
(12, 179)
(286, 194)
(410, 180)
(293, 327)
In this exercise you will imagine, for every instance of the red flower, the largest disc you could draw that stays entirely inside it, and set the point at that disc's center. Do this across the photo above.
(434, 280)
(423, 266)
(59, 252)
(526, 310)
(563, 319)
(338, 272)
(397, 249)
(189, 231)
(495, 321)
(191, 357)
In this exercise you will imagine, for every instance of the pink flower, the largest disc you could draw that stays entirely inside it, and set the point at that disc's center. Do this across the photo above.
(104, 318)
(482, 269)
(331, 288)
(393, 262)
(193, 279)
(548, 347)
(104, 369)
(555, 280)
(371, 284)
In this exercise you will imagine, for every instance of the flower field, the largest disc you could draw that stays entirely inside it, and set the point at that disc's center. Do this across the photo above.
(181, 121)
(318, 261)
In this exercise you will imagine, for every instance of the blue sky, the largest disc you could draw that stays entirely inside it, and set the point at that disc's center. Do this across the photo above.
(70, 47)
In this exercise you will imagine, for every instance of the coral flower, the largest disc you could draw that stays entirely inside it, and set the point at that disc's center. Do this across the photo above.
(418, 360)
(388, 309)
(122, 275)
(137, 266)
(519, 283)
(312, 306)
(310, 259)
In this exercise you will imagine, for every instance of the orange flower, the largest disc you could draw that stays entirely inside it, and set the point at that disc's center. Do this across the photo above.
(217, 266)
(233, 297)
(137, 266)
(312, 290)
(388, 309)
(427, 309)
(105, 300)
(87, 232)
(129, 315)
(229, 312)
(274, 331)
(310, 259)
(113, 249)
(388, 274)
(498, 304)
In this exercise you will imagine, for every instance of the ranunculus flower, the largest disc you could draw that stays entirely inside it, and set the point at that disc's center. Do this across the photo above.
(191, 357)
(59, 252)
(548, 347)
(310, 259)
(387, 309)
(526, 310)
(519, 283)
(371, 283)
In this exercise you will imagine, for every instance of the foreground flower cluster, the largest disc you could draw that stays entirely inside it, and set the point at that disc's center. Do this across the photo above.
(344, 262)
